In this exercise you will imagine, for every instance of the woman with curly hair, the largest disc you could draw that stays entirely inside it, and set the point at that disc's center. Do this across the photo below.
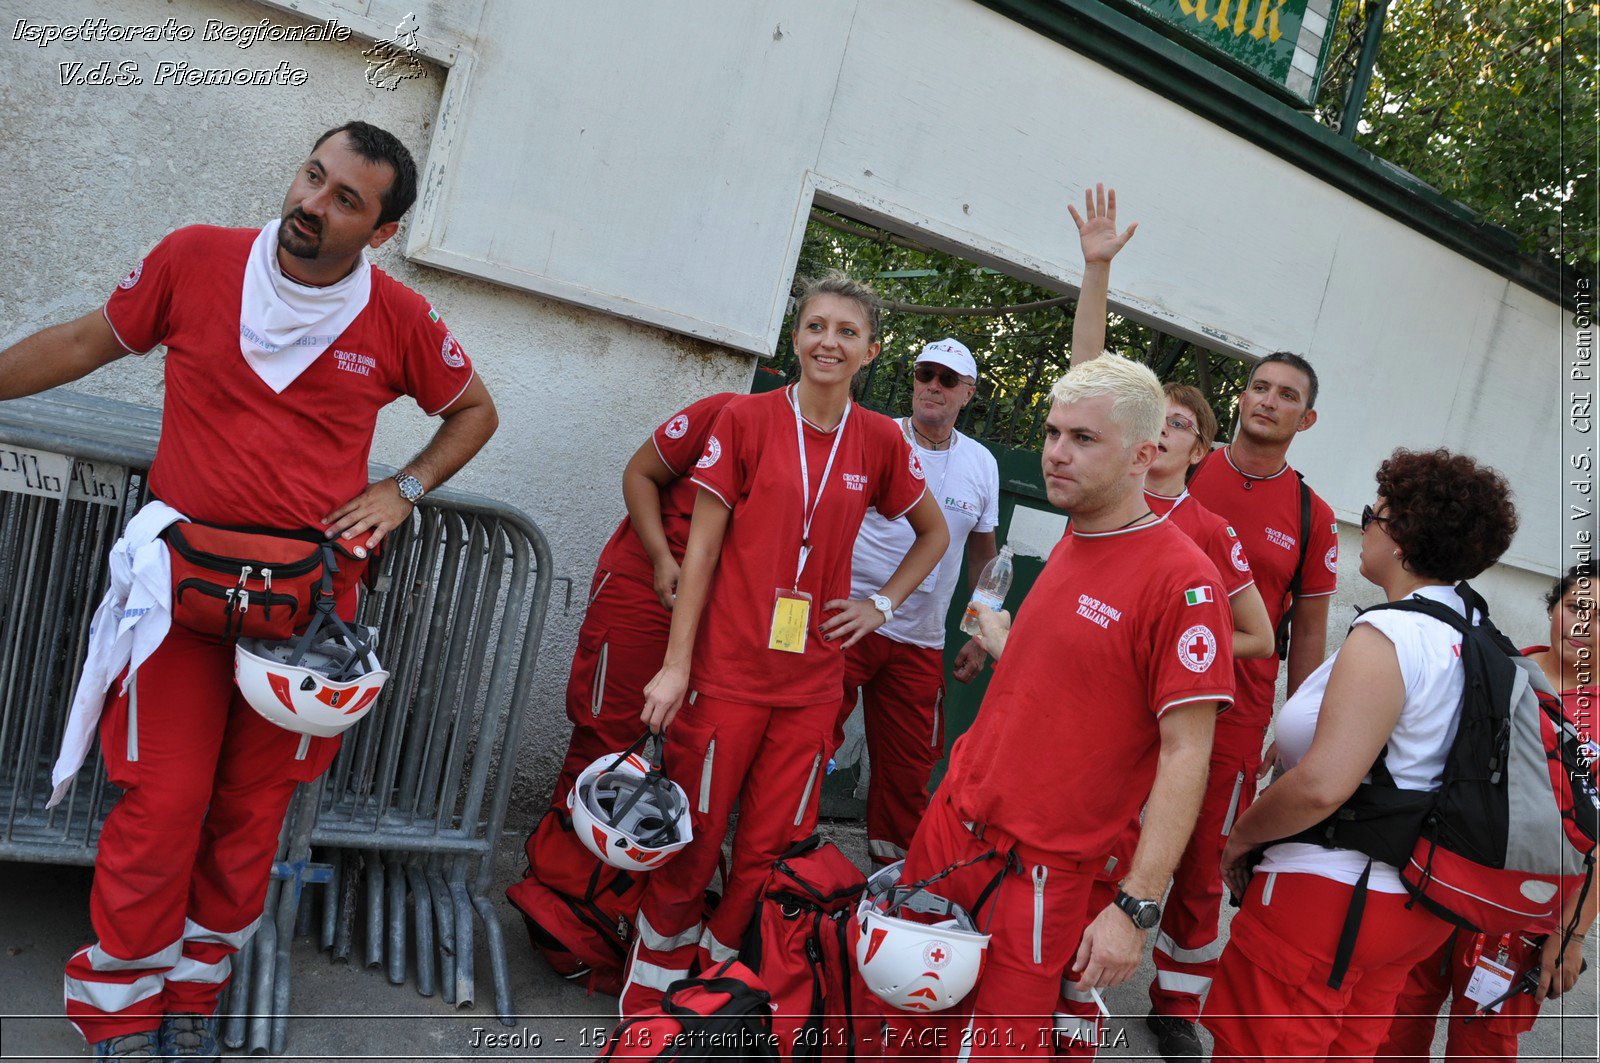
(1569, 663)
(1395, 686)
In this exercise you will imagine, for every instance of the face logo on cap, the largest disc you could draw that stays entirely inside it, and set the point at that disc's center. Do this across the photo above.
(133, 278)
(713, 452)
(451, 352)
(1197, 648)
(1331, 559)
(678, 427)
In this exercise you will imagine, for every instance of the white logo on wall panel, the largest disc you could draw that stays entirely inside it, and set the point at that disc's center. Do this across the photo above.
(395, 60)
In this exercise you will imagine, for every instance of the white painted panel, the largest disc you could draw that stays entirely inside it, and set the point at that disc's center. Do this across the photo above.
(657, 160)
(630, 156)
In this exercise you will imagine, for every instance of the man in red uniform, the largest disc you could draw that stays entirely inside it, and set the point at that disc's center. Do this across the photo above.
(1251, 485)
(1103, 701)
(282, 346)
(897, 671)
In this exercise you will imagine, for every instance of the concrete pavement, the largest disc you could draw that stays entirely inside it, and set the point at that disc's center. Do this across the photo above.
(345, 1011)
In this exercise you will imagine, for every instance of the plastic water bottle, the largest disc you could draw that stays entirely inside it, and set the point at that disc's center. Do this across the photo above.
(992, 588)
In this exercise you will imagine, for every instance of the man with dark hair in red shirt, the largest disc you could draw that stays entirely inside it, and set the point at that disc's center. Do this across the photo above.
(282, 345)
(1292, 541)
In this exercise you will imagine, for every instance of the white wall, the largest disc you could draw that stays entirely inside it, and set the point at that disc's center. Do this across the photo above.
(657, 159)
(96, 176)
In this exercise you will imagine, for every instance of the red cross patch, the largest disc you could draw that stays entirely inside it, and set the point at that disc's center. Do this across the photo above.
(1197, 648)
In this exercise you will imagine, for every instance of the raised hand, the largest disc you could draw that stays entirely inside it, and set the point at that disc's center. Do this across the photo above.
(1097, 225)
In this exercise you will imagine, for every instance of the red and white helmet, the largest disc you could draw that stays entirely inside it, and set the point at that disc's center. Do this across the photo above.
(915, 950)
(627, 813)
(316, 686)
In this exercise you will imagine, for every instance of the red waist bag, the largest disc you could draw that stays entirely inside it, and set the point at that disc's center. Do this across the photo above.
(253, 584)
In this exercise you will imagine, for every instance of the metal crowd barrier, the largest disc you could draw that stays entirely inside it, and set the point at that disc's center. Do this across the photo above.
(417, 795)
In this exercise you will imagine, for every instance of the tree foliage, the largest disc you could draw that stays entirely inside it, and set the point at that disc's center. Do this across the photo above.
(1020, 353)
(1493, 103)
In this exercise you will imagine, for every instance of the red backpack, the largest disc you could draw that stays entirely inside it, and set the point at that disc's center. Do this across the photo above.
(724, 1014)
(799, 944)
(579, 911)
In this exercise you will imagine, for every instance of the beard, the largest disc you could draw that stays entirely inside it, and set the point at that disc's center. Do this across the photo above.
(296, 244)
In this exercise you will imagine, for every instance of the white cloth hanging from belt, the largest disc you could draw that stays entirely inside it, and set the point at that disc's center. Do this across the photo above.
(130, 622)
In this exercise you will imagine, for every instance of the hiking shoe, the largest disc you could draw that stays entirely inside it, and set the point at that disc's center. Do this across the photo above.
(141, 1045)
(189, 1036)
(1178, 1040)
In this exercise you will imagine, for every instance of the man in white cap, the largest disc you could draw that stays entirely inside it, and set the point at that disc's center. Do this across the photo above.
(899, 668)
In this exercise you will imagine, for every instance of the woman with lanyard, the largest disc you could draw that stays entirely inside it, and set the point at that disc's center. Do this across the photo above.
(749, 688)
(1395, 687)
(1569, 663)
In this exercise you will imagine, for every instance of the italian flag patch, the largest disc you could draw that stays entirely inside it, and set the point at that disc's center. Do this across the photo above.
(433, 315)
(1197, 595)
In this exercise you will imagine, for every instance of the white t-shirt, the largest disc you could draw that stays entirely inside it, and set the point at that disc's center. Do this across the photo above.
(1430, 664)
(965, 480)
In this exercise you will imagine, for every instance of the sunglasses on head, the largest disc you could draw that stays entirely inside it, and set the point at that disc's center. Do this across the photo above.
(1368, 516)
(926, 371)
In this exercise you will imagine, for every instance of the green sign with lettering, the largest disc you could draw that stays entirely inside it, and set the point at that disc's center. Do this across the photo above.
(1281, 41)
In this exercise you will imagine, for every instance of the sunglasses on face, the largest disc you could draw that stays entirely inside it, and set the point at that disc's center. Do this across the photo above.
(1182, 425)
(1368, 516)
(925, 372)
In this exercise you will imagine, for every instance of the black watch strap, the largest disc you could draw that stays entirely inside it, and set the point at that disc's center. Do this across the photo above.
(1145, 914)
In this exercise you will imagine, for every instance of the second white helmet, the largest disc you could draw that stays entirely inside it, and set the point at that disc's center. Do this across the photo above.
(318, 686)
(915, 950)
(627, 813)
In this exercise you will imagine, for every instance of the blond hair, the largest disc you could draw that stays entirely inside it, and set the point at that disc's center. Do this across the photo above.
(1138, 404)
(844, 286)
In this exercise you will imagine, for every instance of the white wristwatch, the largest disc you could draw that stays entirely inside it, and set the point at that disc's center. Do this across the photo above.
(882, 604)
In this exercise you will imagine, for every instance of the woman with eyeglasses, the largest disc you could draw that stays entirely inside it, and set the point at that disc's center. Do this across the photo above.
(1395, 686)
(1186, 437)
(749, 689)
(1569, 663)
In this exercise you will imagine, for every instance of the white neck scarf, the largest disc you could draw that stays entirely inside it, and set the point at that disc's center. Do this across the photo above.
(284, 326)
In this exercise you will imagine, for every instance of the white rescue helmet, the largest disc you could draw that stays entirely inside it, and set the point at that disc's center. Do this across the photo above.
(627, 813)
(319, 683)
(916, 951)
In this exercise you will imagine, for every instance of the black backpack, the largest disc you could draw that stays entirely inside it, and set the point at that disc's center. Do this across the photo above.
(1511, 831)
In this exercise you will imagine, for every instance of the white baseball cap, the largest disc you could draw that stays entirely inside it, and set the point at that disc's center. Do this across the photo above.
(952, 354)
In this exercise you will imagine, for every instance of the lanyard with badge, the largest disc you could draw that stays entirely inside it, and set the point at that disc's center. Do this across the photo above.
(1491, 980)
(791, 607)
(938, 495)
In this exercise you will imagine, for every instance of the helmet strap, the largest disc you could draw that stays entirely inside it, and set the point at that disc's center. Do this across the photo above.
(323, 614)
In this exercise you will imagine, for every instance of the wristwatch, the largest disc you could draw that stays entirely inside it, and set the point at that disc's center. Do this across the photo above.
(882, 604)
(410, 486)
(1145, 914)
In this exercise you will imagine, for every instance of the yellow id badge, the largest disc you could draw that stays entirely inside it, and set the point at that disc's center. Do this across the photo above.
(791, 615)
